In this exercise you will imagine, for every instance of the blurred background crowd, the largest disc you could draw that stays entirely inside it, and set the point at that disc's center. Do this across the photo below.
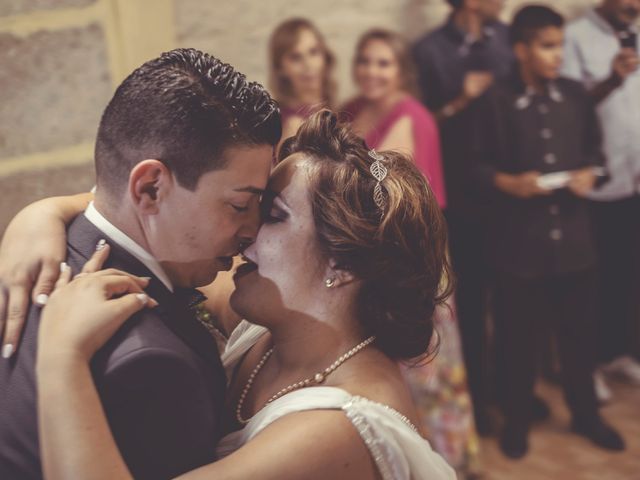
(525, 121)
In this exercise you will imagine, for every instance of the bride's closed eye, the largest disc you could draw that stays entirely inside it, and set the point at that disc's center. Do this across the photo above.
(271, 212)
(275, 215)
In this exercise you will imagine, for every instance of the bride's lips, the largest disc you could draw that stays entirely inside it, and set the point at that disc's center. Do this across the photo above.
(244, 269)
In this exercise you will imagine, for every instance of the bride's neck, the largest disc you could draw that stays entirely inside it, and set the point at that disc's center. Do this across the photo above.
(310, 345)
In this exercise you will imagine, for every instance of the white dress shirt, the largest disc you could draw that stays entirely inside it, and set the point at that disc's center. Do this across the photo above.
(122, 239)
(591, 45)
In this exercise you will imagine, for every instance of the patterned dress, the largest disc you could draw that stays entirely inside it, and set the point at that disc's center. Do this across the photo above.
(439, 388)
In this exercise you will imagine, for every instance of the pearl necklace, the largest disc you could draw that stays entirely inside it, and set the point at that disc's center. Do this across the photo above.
(317, 379)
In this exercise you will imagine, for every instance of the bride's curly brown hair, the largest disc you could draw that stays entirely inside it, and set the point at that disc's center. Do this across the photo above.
(399, 254)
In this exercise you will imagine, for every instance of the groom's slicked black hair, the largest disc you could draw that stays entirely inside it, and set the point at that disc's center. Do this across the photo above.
(184, 108)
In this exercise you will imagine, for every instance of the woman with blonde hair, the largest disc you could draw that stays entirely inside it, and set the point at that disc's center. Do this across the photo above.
(301, 72)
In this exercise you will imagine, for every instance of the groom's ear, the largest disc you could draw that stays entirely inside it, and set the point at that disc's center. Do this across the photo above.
(149, 184)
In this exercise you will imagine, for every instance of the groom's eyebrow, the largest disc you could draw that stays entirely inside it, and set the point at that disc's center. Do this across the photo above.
(250, 189)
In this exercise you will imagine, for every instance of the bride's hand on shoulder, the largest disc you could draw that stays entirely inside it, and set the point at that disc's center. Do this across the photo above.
(84, 312)
(33, 245)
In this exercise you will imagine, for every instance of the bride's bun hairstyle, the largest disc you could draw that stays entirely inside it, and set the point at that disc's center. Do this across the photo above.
(397, 248)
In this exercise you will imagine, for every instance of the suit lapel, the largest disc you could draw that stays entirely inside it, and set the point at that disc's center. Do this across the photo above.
(173, 308)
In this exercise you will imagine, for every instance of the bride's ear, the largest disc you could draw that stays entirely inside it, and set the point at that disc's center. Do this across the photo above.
(338, 275)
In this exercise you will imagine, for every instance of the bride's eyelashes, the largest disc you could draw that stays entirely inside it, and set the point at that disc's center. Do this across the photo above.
(275, 215)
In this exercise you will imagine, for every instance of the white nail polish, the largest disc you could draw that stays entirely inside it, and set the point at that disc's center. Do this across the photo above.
(63, 267)
(42, 299)
(7, 351)
(142, 297)
(101, 244)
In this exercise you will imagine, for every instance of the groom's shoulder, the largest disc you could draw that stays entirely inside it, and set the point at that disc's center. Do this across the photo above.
(146, 336)
(145, 339)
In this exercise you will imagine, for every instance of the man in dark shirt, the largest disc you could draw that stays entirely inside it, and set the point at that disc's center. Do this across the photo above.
(536, 155)
(456, 64)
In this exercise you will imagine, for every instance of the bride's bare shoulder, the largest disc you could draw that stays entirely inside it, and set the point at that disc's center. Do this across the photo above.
(378, 378)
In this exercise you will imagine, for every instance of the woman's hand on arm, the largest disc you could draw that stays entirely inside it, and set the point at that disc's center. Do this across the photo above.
(32, 248)
(79, 318)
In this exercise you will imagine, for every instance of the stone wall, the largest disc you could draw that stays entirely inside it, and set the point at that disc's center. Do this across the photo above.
(61, 59)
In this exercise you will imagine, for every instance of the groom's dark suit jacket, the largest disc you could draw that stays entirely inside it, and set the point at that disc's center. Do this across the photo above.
(160, 380)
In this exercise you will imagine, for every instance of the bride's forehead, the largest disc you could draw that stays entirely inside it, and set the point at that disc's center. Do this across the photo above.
(292, 171)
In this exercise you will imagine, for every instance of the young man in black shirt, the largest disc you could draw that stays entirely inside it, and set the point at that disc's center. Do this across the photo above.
(535, 155)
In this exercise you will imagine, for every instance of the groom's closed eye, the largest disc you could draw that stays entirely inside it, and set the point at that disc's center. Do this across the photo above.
(240, 208)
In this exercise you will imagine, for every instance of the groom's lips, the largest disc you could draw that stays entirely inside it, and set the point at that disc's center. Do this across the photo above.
(244, 269)
(227, 262)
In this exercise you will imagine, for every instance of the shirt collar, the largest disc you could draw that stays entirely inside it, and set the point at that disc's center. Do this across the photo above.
(122, 239)
(463, 39)
(526, 93)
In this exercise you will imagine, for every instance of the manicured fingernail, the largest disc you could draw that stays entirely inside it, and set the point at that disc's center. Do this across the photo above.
(101, 244)
(63, 267)
(152, 303)
(7, 351)
(142, 297)
(147, 279)
(42, 299)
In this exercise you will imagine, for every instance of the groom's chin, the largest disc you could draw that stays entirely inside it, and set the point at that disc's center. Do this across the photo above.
(193, 274)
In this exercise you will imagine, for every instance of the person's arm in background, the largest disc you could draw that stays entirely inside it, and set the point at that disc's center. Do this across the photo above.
(624, 63)
(33, 246)
(475, 84)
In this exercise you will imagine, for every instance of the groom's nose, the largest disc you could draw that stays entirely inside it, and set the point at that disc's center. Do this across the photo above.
(249, 228)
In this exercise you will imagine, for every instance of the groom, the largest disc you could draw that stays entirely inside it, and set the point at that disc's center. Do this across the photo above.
(182, 155)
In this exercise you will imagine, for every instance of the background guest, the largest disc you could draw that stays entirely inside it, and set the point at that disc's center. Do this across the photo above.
(456, 64)
(301, 72)
(531, 124)
(602, 53)
(386, 113)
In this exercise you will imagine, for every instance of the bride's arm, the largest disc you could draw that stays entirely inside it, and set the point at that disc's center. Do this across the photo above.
(314, 445)
(32, 248)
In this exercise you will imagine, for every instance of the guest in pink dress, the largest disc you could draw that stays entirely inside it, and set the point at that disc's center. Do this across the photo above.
(388, 116)
(301, 72)
(386, 113)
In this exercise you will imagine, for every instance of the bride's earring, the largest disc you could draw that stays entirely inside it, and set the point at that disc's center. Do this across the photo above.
(330, 282)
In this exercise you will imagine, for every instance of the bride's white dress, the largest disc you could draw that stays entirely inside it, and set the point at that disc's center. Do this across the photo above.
(398, 450)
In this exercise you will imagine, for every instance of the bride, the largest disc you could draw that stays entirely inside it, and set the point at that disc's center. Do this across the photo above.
(340, 284)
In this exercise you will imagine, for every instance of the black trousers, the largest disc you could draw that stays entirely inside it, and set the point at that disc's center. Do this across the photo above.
(466, 242)
(525, 311)
(617, 234)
